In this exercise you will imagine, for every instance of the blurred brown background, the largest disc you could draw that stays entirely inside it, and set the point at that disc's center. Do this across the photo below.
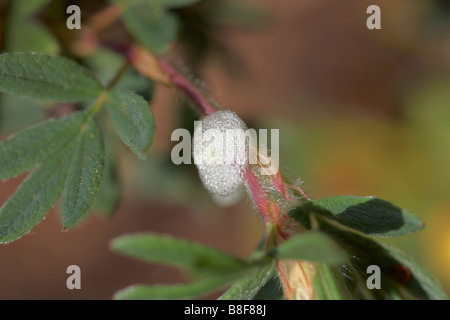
(364, 112)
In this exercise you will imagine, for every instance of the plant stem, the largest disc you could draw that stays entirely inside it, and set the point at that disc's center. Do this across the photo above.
(182, 83)
(105, 17)
(95, 108)
(120, 73)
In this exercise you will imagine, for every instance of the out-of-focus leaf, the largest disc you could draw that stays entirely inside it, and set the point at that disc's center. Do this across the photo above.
(35, 196)
(25, 8)
(271, 290)
(248, 287)
(368, 215)
(85, 176)
(178, 291)
(24, 33)
(26, 149)
(151, 25)
(176, 3)
(163, 249)
(328, 284)
(47, 77)
(132, 120)
(312, 246)
(28, 37)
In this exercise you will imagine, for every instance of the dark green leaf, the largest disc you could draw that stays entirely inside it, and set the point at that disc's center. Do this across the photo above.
(132, 120)
(35, 196)
(171, 292)
(180, 253)
(108, 197)
(399, 272)
(312, 246)
(26, 149)
(368, 215)
(151, 25)
(47, 77)
(248, 287)
(85, 175)
(271, 290)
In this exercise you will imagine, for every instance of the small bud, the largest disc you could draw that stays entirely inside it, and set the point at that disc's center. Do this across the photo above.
(297, 278)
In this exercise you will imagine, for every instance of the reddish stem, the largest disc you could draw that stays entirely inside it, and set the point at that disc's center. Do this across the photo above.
(258, 194)
(302, 192)
(182, 83)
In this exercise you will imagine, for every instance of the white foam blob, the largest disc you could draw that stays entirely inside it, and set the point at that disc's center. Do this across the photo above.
(220, 152)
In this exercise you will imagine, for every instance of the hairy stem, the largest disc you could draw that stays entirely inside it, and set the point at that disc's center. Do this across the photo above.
(182, 83)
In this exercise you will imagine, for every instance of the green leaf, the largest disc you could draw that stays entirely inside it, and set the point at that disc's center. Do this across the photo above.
(271, 290)
(47, 77)
(394, 265)
(25, 36)
(132, 120)
(422, 283)
(17, 113)
(176, 3)
(108, 197)
(85, 175)
(328, 285)
(23, 32)
(26, 8)
(312, 246)
(368, 215)
(151, 25)
(163, 249)
(248, 287)
(172, 292)
(26, 149)
(35, 196)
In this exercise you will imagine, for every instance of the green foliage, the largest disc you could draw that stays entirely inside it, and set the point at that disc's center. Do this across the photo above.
(28, 148)
(24, 33)
(215, 269)
(85, 175)
(35, 196)
(329, 285)
(132, 120)
(312, 246)
(172, 292)
(342, 254)
(248, 287)
(151, 22)
(175, 3)
(67, 157)
(152, 26)
(47, 77)
(400, 274)
(110, 192)
(368, 215)
(194, 257)
(68, 153)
